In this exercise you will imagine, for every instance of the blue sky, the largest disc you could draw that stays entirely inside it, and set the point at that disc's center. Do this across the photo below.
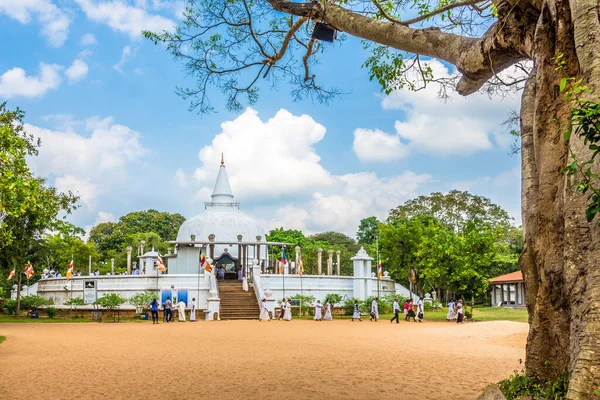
(103, 101)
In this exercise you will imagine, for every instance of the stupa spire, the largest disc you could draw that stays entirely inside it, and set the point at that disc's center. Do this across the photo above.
(222, 191)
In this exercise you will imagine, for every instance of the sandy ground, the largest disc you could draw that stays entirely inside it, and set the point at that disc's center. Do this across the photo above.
(254, 360)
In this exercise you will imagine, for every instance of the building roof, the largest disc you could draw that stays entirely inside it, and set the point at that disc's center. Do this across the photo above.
(222, 191)
(516, 276)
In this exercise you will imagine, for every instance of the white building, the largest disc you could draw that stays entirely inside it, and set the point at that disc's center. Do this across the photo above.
(229, 239)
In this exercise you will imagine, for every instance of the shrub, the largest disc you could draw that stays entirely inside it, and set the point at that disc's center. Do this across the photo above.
(427, 306)
(32, 302)
(520, 385)
(75, 301)
(143, 300)
(306, 302)
(468, 314)
(333, 298)
(110, 301)
(51, 311)
(10, 307)
(382, 305)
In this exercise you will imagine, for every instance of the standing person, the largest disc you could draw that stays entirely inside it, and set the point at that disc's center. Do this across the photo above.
(451, 311)
(396, 310)
(193, 310)
(459, 312)
(181, 311)
(328, 316)
(318, 313)
(411, 311)
(168, 309)
(420, 310)
(154, 310)
(374, 310)
(244, 283)
(356, 314)
(282, 309)
(287, 315)
(406, 310)
(264, 313)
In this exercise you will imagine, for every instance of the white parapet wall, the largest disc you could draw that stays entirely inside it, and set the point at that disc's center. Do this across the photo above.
(59, 290)
(320, 286)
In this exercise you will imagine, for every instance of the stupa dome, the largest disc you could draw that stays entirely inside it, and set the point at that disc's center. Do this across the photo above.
(222, 217)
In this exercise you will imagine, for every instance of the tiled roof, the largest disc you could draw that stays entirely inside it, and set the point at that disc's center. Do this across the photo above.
(516, 276)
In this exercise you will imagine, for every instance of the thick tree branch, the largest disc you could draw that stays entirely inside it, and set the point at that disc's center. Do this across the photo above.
(477, 59)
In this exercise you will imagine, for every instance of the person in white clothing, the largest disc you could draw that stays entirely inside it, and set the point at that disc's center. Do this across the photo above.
(356, 314)
(193, 310)
(451, 315)
(374, 310)
(287, 314)
(420, 310)
(459, 312)
(396, 310)
(328, 316)
(318, 312)
(264, 313)
(244, 283)
(181, 311)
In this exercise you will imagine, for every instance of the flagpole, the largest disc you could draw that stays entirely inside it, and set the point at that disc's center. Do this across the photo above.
(377, 247)
(301, 289)
(71, 284)
(283, 274)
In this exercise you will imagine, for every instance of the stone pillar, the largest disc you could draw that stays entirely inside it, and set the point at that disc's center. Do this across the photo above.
(319, 261)
(112, 266)
(142, 244)
(257, 251)
(361, 263)
(339, 267)
(245, 252)
(239, 255)
(129, 249)
(90, 266)
(297, 249)
(329, 262)
(211, 247)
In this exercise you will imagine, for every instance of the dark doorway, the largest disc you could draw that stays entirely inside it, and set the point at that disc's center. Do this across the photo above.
(228, 262)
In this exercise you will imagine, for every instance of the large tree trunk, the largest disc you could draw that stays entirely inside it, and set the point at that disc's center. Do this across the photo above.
(560, 262)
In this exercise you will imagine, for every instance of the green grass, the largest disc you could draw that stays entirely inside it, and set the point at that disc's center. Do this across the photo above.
(44, 320)
(2, 339)
(479, 314)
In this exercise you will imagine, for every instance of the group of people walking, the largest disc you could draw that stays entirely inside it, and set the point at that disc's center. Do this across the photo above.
(455, 311)
(168, 310)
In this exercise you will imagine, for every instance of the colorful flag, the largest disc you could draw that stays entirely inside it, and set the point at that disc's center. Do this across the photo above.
(29, 270)
(283, 257)
(11, 275)
(203, 263)
(379, 270)
(161, 265)
(70, 269)
(300, 265)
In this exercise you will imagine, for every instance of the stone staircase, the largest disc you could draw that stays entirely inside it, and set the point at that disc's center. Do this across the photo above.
(235, 303)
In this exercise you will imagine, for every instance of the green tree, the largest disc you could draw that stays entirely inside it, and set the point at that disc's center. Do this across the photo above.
(28, 205)
(455, 209)
(367, 229)
(254, 43)
(54, 251)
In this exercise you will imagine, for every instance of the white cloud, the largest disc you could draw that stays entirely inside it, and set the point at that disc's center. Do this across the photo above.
(77, 71)
(275, 162)
(126, 54)
(264, 152)
(83, 187)
(122, 17)
(55, 22)
(90, 162)
(459, 126)
(377, 146)
(104, 217)
(88, 40)
(15, 82)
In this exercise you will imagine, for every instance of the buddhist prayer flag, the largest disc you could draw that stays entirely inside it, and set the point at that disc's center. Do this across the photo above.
(300, 265)
(29, 270)
(70, 269)
(203, 263)
(11, 275)
(379, 270)
(283, 257)
(161, 265)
